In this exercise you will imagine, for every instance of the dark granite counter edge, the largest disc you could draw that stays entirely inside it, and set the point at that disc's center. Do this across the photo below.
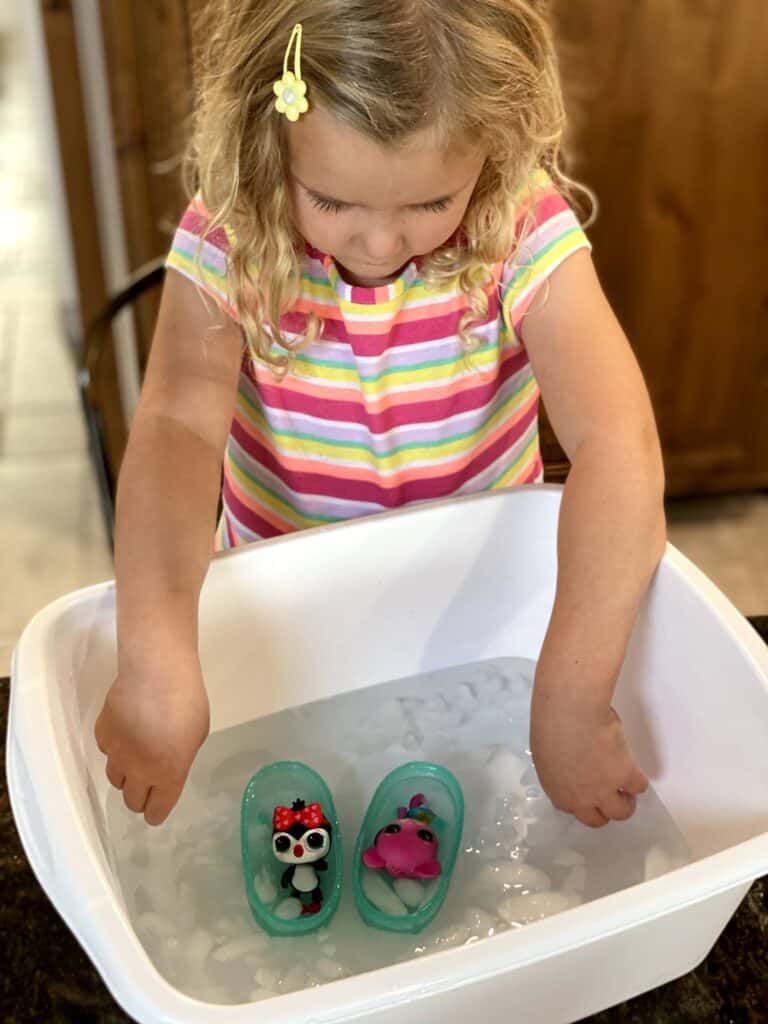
(46, 977)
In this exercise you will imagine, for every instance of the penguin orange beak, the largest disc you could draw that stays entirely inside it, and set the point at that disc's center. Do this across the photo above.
(298, 851)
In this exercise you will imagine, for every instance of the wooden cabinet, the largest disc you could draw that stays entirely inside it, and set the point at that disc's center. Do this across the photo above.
(671, 130)
(669, 127)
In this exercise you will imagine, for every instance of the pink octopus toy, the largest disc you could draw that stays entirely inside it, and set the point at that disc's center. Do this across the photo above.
(408, 847)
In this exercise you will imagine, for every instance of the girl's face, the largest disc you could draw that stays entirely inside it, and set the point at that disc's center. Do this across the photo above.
(373, 209)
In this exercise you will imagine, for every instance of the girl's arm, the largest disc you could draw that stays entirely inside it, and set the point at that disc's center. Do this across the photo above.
(155, 716)
(611, 537)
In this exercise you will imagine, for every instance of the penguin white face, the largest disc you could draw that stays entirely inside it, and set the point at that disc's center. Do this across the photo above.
(305, 849)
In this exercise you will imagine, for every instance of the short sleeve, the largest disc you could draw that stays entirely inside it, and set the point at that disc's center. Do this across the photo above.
(201, 257)
(553, 233)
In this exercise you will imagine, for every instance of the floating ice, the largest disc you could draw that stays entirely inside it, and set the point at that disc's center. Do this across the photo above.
(199, 946)
(238, 948)
(453, 935)
(410, 892)
(576, 880)
(288, 910)
(520, 910)
(185, 893)
(658, 862)
(267, 978)
(265, 888)
(505, 772)
(258, 835)
(294, 980)
(568, 858)
(155, 924)
(258, 995)
(480, 923)
(429, 890)
(329, 969)
(378, 892)
(508, 875)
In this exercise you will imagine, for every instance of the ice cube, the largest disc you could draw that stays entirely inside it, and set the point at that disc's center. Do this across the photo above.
(430, 889)
(491, 681)
(186, 909)
(436, 705)
(452, 935)
(295, 980)
(480, 922)
(267, 978)
(576, 879)
(258, 835)
(381, 896)
(410, 892)
(568, 858)
(518, 684)
(258, 995)
(509, 874)
(389, 715)
(265, 888)
(155, 924)
(328, 969)
(520, 910)
(504, 773)
(489, 850)
(658, 862)
(288, 910)
(239, 948)
(481, 755)
(199, 946)
(139, 856)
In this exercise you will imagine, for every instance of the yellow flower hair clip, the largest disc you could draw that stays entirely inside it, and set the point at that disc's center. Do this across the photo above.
(291, 90)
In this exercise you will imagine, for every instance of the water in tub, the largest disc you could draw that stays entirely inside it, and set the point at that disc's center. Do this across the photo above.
(520, 861)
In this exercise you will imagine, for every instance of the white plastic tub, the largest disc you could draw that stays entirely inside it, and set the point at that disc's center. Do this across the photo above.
(346, 607)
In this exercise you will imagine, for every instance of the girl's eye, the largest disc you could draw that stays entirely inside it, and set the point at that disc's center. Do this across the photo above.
(437, 207)
(327, 205)
(331, 206)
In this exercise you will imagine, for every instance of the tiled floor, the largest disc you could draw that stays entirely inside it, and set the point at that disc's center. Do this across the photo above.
(53, 540)
(52, 535)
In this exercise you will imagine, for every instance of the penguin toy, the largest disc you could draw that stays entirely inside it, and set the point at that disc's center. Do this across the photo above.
(301, 838)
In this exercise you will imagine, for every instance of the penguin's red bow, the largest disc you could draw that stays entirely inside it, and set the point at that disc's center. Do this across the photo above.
(310, 816)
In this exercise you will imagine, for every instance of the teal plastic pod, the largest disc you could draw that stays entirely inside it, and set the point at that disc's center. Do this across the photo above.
(442, 797)
(280, 785)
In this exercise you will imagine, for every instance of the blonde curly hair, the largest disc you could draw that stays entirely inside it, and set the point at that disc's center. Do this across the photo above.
(480, 69)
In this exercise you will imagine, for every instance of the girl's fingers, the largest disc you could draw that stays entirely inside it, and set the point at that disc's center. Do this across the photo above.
(98, 732)
(135, 793)
(636, 784)
(593, 817)
(115, 775)
(160, 802)
(619, 807)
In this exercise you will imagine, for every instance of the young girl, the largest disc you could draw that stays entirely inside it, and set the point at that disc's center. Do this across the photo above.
(376, 275)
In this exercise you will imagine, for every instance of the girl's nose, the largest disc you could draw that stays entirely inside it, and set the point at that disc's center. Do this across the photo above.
(384, 246)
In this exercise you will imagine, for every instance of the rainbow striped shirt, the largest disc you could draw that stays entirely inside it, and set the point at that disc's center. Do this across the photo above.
(386, 409)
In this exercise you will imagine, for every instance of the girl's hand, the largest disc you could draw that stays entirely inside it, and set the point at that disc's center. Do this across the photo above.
(152, 725)
(582, 758)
